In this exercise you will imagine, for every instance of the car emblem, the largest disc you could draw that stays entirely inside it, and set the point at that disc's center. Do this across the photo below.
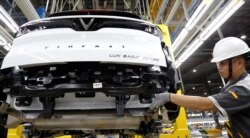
(86, 26)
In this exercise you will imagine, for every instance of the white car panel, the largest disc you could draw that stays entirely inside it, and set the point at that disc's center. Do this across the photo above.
(63, 45)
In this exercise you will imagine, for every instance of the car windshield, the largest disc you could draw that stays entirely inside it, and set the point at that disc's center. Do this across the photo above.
(88, 24)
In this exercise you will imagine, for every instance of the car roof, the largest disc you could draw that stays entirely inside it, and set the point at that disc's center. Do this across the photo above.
(96, 12)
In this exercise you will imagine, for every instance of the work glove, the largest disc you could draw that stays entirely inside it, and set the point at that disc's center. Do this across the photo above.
(160, 99)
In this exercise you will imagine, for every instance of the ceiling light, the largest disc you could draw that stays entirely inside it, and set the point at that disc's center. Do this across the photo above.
(194, 70)
(179, 39)
(197, 15)
(199, 12)
(209, 81)
(243, 37)
(220, 87)
(193, 88)
(7, 20)
(221, 18)
(6, 48)
(214, 25)
(2, 40)
(6, 35)
(4, 45)
(190, 50)
(205, 93)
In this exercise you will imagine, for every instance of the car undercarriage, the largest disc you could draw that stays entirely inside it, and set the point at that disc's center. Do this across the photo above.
(84, 96)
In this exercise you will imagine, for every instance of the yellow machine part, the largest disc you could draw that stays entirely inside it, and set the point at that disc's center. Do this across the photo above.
(180, 128)
(165, 34)
(15, 133)
(66, 136)
(214, 131)
(137, 136)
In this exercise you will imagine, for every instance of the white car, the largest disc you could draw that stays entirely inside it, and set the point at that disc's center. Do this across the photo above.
(87, 73)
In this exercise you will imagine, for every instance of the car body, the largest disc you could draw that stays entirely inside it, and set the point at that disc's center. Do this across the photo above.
(87, 72)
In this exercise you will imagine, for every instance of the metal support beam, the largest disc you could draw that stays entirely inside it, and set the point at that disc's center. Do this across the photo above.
(220, 33)
(47, 5)
(28, 9)
(148, 10)
(160, 12)
(93, 4)
(52, 8)
(184, 5)
(144, 10)
(76, 5)
(56, 7)
(62, 5)
(139, 8)
(172, 12)
(114, 4)
(13, 10)
(80, 5)
(126, 5)
(97, 4)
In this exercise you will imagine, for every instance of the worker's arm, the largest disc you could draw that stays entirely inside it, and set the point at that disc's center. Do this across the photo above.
(193, 102)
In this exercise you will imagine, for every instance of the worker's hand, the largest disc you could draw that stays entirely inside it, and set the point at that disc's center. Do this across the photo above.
(160, 99)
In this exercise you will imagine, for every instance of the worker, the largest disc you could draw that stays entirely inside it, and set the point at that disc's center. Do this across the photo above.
(230, 55)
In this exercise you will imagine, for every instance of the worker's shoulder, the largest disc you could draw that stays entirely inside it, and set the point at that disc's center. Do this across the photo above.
(245, 81)
(239, 89)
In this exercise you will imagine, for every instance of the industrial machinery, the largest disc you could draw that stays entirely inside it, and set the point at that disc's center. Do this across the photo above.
(89, 73)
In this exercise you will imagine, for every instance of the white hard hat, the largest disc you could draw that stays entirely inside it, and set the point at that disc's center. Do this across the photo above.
(229, 47)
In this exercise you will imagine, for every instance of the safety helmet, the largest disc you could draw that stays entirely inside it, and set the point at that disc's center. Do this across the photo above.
(229, 47)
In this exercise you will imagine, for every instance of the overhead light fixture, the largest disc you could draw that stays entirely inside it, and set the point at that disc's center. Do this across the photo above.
(190, 50)
(2, 40)
(199, 12)
(7, 20)
(193, 88)
(209, 81)
(205, 93)
(195, 18)
(231, 8)
(243, 37)
(194, 70)
(6, 35)
(4, 46)
(211, 28)
(220, 87)
(179, 39)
